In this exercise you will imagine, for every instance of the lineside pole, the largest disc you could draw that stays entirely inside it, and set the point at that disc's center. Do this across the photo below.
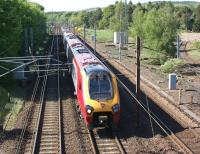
(137, 80)
(178, 46)
(95, 40)
(84, 32)
(138, 68)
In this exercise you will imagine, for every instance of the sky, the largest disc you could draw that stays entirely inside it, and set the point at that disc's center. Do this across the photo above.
(74, 5)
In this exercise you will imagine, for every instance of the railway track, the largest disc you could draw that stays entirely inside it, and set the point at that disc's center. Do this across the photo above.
(105, 141)
(45, 126)
(48, 136)
(188, 140)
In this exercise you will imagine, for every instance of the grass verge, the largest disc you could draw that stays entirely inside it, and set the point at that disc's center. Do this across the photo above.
(11, 102)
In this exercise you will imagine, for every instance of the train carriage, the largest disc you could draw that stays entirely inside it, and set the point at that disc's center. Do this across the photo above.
(95, 85)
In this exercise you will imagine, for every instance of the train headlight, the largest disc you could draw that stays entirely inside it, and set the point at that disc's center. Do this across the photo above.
(115, 108)
(89, 109)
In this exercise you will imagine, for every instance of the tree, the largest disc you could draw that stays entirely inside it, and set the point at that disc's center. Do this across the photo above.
(137, 28)
(15, 16)
(95, 17)
(108, 12)
(157, 28)
(84, 16)
(75, 20)
(130, 9)
(119, 20)
(184, 15)
(160, 30)
(196, 26)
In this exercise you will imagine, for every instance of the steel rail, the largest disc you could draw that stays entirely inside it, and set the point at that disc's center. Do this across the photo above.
(93, 142)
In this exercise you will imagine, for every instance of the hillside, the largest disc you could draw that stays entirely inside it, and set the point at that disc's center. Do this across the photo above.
(191, 4)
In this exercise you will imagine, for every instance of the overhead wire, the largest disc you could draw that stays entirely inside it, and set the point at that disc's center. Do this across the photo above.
(25, 64)
(4, 68)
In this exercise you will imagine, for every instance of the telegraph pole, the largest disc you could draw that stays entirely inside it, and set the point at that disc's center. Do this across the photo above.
(120, 33)
(95, 38)
(126, 23)
(138, 68)
(178, 45)
(84, 32)
(137, 116)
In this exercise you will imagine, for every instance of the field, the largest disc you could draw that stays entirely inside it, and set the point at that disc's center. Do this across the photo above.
(191, 4)
(102, 35)
(195, 54)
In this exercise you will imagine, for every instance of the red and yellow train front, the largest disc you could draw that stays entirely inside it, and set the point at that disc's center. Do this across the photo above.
(101, 98)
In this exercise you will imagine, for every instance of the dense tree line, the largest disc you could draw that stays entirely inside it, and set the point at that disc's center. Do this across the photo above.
(156, 23)
(15, 16)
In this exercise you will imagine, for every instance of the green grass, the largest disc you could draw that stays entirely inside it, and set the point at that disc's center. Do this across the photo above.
(102, 35)
(13, 105)
(195, 54)
(196, 45)
(171, 65)
(194, 50)
(14, 108)
(3, 102)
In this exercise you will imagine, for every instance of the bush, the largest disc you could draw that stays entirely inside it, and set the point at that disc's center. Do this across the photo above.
(171, 65)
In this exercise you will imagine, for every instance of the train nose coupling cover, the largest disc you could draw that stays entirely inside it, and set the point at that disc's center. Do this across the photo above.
(102, 119)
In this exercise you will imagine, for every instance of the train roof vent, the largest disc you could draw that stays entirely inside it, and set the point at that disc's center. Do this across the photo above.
(89, 60)
(76, 45)
(82, 50)
(72, 37)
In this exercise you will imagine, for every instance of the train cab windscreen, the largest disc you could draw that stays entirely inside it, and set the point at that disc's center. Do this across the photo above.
(100, 86)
